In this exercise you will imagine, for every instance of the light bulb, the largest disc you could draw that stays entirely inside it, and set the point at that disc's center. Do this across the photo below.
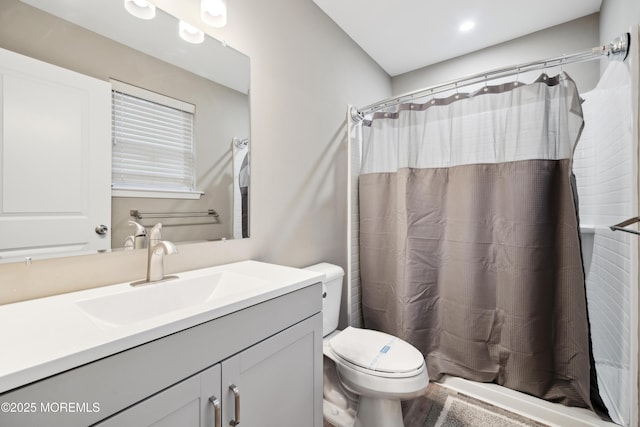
(140, 8)
(214, 8)
(190, 33)
(214, 12)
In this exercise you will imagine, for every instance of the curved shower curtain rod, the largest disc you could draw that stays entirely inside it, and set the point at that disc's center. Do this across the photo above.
(618, 49)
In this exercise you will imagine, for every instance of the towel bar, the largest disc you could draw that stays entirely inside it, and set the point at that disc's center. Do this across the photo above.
(620, 226)
(140, 215)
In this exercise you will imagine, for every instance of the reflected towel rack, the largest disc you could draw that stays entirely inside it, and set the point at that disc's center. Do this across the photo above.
(140, 215)
(620, 226)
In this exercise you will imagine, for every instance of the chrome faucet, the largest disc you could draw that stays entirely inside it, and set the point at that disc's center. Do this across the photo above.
(156, 250)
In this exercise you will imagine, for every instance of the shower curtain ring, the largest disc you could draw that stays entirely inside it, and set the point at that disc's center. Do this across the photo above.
(486, 87)
(457, 94)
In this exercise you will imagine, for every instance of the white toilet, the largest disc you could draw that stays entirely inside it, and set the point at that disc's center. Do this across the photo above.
(375, 369)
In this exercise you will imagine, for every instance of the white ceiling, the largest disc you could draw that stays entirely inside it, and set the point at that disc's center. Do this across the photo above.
(404, 35)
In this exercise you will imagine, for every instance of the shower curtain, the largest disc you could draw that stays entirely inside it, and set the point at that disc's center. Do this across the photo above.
(469, 244)
(606, 176)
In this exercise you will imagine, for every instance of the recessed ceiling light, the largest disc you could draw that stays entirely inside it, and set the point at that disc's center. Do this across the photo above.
(466, 26)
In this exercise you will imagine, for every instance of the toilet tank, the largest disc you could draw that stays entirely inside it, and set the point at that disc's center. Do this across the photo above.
(331, 295)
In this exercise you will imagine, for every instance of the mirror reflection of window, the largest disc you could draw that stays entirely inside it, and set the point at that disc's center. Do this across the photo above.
(153, 142)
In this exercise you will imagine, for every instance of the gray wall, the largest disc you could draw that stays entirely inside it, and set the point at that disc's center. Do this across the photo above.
(562, 39)
(616, 16)
(304, 73)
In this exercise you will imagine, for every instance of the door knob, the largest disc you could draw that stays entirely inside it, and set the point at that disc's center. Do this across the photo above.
(102, 229)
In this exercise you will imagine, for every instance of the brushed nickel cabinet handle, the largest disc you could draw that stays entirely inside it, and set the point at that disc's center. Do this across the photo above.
(217, 411)
(236, 392)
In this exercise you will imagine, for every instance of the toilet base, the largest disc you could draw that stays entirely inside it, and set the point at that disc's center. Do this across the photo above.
(337, 416)
(375, 412)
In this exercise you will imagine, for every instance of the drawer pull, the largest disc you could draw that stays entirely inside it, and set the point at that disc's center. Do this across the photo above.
(217, 412)
(236, 392)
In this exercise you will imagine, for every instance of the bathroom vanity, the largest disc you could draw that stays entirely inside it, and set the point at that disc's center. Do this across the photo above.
(246, 349)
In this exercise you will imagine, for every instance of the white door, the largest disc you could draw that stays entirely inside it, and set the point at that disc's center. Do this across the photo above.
(55, 158)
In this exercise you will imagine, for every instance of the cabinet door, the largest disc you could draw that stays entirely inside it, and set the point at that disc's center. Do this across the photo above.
(279, 380)
(186, 404)
(55, 158)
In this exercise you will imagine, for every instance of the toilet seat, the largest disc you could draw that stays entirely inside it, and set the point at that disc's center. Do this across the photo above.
(382, 375)
(410, 380)
(376, 353)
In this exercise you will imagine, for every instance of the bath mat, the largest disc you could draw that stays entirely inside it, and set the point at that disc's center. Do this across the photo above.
(457, 412)
(442, 407)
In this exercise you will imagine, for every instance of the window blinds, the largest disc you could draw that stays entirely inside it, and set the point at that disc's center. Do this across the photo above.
(153, 143)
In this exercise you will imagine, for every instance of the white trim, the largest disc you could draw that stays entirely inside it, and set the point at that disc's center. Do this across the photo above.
(156, 194)
(158, 98)
(634, 56)
(349, 272)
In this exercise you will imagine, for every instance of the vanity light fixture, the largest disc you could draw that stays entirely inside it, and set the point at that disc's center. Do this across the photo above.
(190, 33)
(140, 8)
(466, 26)
(214, 12)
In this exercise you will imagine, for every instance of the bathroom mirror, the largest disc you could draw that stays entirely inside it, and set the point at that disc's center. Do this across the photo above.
(100, 39)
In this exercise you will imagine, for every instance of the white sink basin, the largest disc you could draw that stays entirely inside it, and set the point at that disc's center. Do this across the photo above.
(136, 304)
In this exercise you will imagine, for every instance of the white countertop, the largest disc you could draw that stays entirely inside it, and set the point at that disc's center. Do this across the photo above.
(46, 336)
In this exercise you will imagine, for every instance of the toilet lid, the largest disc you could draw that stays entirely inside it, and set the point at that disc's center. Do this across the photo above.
(376, 351)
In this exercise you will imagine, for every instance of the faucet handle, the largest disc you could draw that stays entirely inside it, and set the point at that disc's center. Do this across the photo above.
(140, 230)
(155, 235)
(169, 248)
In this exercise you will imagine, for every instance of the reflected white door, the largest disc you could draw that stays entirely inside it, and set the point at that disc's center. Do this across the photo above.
(55, 155)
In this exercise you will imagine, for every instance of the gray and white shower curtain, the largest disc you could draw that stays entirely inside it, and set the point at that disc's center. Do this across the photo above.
(469, 241)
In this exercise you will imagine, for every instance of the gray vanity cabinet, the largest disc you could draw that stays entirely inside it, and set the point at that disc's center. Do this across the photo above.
(184, 404)
(271, 351)
(273, 380)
